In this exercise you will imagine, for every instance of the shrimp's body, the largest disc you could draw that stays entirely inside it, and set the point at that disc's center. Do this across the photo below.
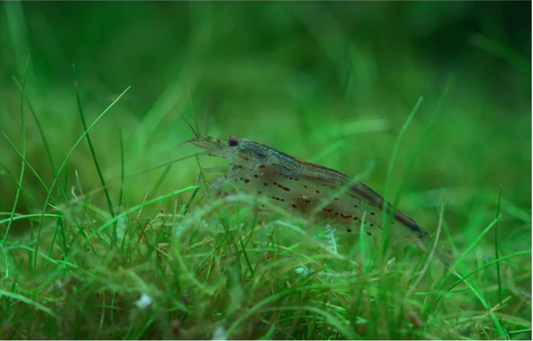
(304, 187)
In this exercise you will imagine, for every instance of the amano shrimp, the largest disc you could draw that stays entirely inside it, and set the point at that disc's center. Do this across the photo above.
(302, 187)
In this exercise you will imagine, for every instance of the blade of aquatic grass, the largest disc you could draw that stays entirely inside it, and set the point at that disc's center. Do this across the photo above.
(207, 113)
(516, 211)
(101, 213)
(248, 263)
(52, 244)
(355, 309)
(188, 204)
(65, 181)
(12, 176)
(62, 241)
(23, 137)
(64, 163)
(431, 253)
(416, 151)
(161, 179)
(25, 161)
(496, 247)
(45, 141)
(19, 191)
(18, 32)
(269, 334)
(496, 322)
(432, 120)
(212, 257)
(30, 302)
(43, 255)
(486, 265)
(93, 154)
(19, 216)
(8, 220)
(122, 168)
(362, 243)
(386, 218)
(193, 111)
(140, 328)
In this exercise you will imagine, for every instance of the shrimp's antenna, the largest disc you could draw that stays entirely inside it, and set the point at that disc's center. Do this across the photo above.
(193, 113)
(141, 173)
(170, 162)
(176, 147)
(195, 132)
(207, 116)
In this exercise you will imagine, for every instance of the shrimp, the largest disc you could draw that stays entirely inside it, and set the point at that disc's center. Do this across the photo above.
(307, 188)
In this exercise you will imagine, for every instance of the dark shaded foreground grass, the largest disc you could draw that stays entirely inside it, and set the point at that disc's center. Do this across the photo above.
(201, 274)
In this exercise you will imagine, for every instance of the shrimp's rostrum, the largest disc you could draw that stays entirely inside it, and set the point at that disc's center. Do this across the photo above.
(302, 187)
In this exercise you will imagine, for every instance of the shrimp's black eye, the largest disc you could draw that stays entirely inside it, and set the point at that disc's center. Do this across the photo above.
(233, 141)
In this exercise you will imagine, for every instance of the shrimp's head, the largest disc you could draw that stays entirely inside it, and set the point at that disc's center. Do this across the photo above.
(235, 150)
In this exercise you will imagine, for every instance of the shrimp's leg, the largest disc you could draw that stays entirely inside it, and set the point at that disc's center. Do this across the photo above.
(211, 170)
(214, 187)
(217, 185)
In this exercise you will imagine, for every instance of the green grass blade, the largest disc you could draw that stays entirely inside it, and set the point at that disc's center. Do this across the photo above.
(385, 236)
(434, 117)
(26, 300)
(95, 159)
(45, 141)
(500, 297)
(25, 161)
(23, 134)
(431, 252)
(486, 265)
(245, 254)
(27, 216)
(362, 242)
(122, 170)
(161, 179)
(11, 175)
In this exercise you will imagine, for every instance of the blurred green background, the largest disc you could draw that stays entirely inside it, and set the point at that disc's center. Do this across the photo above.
(331, 83)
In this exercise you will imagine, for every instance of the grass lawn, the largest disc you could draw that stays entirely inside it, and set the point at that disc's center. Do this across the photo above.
(428, 103)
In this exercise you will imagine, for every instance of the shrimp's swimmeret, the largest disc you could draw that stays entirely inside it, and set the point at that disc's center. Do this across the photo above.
(302, 187)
